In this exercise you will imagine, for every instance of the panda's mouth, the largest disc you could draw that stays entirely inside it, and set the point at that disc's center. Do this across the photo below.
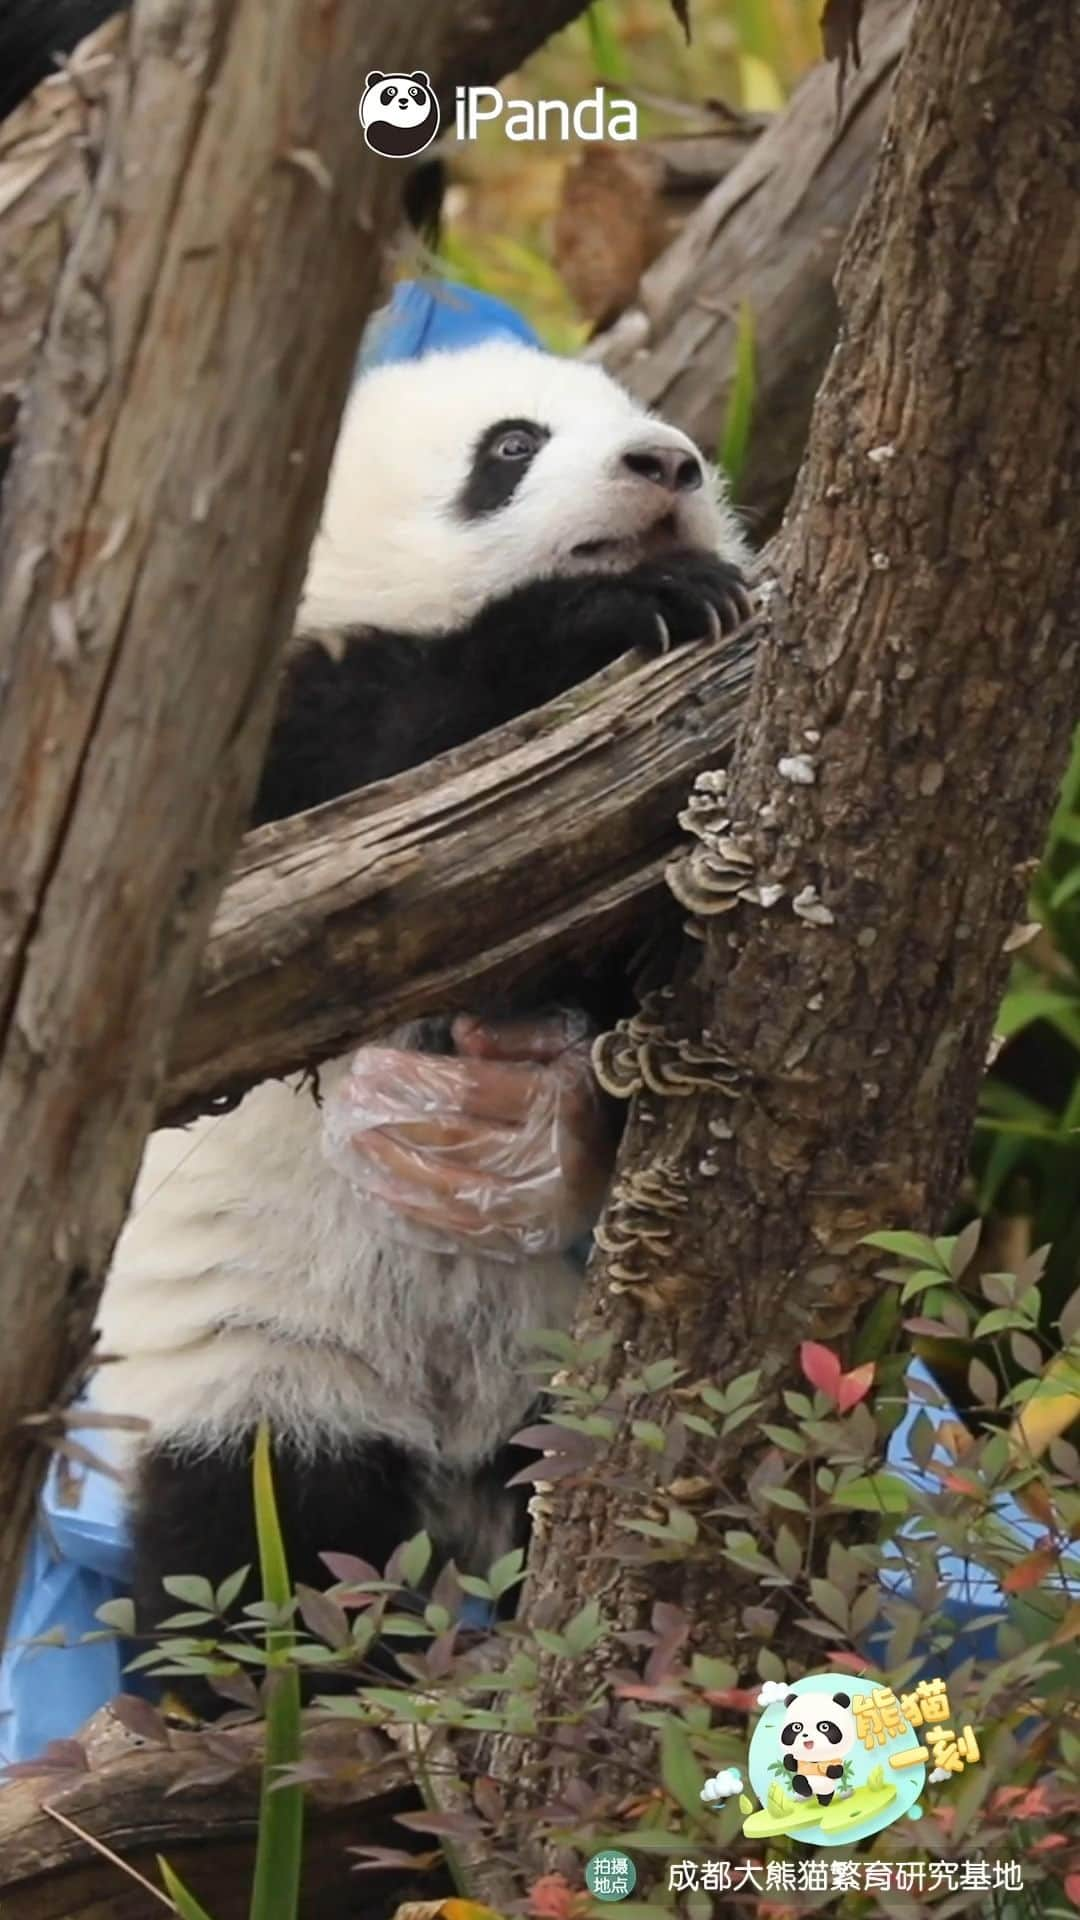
(659, 538)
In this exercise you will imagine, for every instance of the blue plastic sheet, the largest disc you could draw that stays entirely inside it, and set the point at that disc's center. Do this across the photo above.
(79, 1558)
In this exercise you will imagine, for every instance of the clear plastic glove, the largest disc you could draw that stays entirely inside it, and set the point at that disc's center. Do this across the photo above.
(501, 1148)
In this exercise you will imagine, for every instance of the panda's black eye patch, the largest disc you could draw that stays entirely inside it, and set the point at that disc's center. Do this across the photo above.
(501, 459)
(415, 94)
(388, 94)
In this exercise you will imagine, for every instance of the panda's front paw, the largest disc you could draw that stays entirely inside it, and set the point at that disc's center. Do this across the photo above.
(694, 596)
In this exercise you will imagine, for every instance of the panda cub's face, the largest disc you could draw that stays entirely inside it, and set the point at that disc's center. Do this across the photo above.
(818, 1726)
(463, 476)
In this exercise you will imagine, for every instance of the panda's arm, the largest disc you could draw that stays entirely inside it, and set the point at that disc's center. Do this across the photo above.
(385, 702)
(835, 1771)
(554, 633)
(791, 1763)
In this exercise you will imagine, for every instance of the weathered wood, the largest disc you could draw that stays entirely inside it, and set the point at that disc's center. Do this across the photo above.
(131, 1802)
(435, 889)
(768, 237)
(916, 689)
(172, 454)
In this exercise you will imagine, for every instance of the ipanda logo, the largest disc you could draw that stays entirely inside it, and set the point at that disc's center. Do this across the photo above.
(595, 118)
(835, 1759)
(400, 115)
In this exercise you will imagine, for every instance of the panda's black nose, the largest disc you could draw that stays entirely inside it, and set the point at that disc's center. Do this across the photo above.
(668, 467)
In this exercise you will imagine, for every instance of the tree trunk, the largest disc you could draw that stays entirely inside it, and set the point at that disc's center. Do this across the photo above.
(910, 715)
(765, 241)
(173, 453)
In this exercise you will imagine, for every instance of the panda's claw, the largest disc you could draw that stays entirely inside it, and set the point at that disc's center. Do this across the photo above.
(663, 634)
(738, 609)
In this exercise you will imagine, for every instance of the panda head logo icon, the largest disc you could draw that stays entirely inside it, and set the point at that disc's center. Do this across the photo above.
(399, 114)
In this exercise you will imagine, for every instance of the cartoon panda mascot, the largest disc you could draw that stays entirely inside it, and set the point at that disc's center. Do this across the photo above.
(817, 1734)
(399, 113)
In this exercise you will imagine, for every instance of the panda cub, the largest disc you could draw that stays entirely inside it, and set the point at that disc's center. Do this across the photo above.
(499, 524)
(817, 1733)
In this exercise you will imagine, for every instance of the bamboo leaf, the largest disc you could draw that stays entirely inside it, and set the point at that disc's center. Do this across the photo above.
(185, 1903)
(275, 1893)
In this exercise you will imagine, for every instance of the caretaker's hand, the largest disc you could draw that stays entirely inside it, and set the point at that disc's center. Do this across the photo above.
(502, 1147)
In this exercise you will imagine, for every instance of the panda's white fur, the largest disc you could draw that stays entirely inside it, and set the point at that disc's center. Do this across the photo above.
(249, 1281)
(390, 551)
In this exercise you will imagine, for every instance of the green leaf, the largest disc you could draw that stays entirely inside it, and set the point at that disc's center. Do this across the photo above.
(874, 1493)
(275, 1891)
(118, 1614)
(909, 1246)
(679, 1768)
(785, 1497)
(788, 1551)
(604, 44)
(185, 1903)
(830, 1601)
(231, 1588)
(649, 1434)
(697, 1424)
(192, 1589)
(585, 1630)
(998, 1319)
(742, 1388)
(506, 1572)
(1027, 1004)
(712, 1674)
(661, 1373)
(786, 1437)
(919, 1281)
(738, 418)
(413, 1559)
(472, 1583)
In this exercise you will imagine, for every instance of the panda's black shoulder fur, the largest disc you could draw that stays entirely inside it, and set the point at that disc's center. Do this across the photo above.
(376, 703)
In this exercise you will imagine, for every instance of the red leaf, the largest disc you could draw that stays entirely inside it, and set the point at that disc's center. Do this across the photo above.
(552, 1898)
(1050, 1840)
(854, 1386)
(821, 1367)
(851, 1662)
(638, 1690)
(960, 1483)
(347, 1568)
(738, 1699)
(1031, 1571)
(1072, 1888)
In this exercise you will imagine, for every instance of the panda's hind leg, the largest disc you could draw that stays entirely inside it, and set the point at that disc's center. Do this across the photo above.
(193, 1513)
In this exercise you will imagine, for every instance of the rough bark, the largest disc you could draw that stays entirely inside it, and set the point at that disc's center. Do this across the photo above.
(922, 668)
(768, 237)
(173, 452)
(129, 1801)
(425, 892)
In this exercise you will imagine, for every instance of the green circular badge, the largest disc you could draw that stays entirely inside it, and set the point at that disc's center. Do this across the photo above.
(611, 1876)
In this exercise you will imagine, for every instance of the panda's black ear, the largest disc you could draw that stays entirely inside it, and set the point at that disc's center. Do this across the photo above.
(374, 77)
(842, 1699)
(424, 79)
(788, 1698)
